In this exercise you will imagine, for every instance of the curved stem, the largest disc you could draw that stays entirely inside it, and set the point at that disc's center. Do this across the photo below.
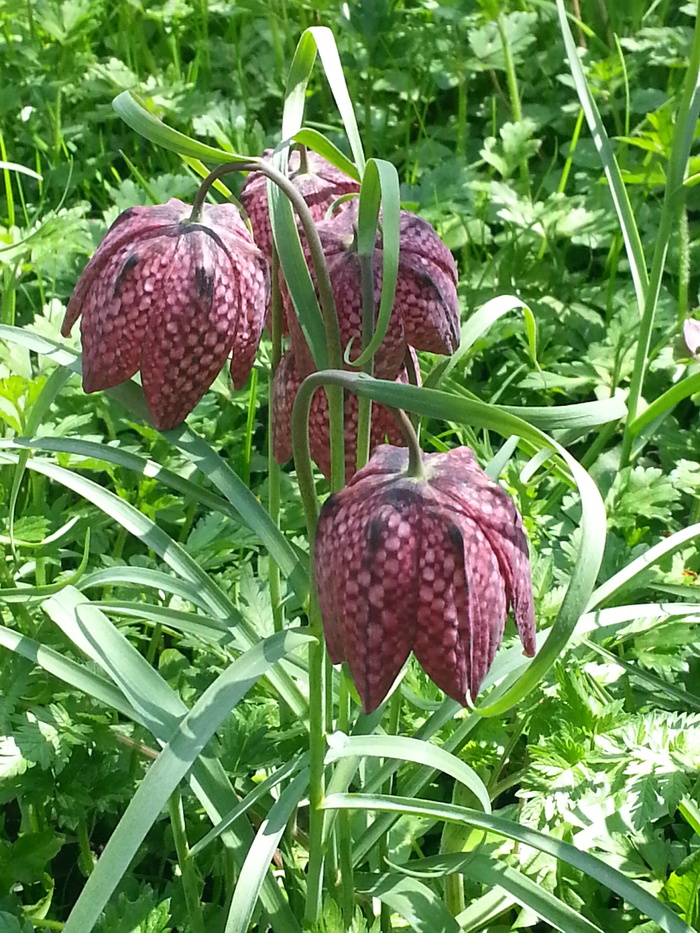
(300, 437)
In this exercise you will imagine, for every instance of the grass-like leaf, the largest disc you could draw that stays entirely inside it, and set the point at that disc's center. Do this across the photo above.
(178, 756)
(260, 854)
(176, 557)
(494, 872)
(610, 877)
(134, 114)
(477, 325)
(408, 749)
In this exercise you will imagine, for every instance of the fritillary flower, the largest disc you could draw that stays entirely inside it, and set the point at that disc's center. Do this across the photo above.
(425, 565)
(172, 298)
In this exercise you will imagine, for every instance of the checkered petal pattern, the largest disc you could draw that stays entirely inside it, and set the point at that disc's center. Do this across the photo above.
(173, 299)
(430, 566)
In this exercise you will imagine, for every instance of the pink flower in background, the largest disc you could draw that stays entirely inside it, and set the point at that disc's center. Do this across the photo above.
(171, 298)
(429, 566)
(691, 332)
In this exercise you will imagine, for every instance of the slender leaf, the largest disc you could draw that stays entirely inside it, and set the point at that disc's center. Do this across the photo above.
(176, 758)
(613, 879)
(134, 113)
(493, 872)
(407, 749)
(260, 854)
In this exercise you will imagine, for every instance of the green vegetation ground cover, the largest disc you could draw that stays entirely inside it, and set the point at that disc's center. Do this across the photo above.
(477, 108)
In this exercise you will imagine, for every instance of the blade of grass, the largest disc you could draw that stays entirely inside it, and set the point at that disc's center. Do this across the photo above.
(177, 757)
(610, 877)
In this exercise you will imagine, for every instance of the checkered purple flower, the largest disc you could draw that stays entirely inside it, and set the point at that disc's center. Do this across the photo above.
(171, 298)
(429, 566)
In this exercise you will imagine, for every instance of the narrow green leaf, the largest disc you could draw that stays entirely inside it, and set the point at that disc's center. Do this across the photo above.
(207, 777)
(134, 113)
(22, 169)
(434, 403)
(260, 854)
(493, 872)
(21, 594)
(319, 39)
(95, 636)
(676, 694)
(69, 671)
(613, 879)
(640, 564)
(203, 626)
(380, 187)
(665, 402)
(477, 325)
(246, 505)
(324, 147)
(408, 749)
(173, 763)
(178, 559)
(143, 578)
(259, 791)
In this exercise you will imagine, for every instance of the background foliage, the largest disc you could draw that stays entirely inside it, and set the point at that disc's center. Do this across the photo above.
(476, 106)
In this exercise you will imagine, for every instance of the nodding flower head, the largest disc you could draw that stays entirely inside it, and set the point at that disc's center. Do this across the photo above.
(172, 298)
(425, 314)
(425, 565)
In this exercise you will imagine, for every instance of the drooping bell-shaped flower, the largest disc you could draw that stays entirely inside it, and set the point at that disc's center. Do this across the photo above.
(285, 386)
(425, 313)
(172, 298)
(318, 181)
(425, 565)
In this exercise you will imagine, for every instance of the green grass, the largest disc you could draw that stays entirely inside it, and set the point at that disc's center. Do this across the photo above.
(174, 750)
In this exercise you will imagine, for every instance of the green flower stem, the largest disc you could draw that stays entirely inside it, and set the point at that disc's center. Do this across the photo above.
(343, 826)
(317, 753)
(273, 468)
(674, 198)
(513, 91)
(683, 266)
(190, 882)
